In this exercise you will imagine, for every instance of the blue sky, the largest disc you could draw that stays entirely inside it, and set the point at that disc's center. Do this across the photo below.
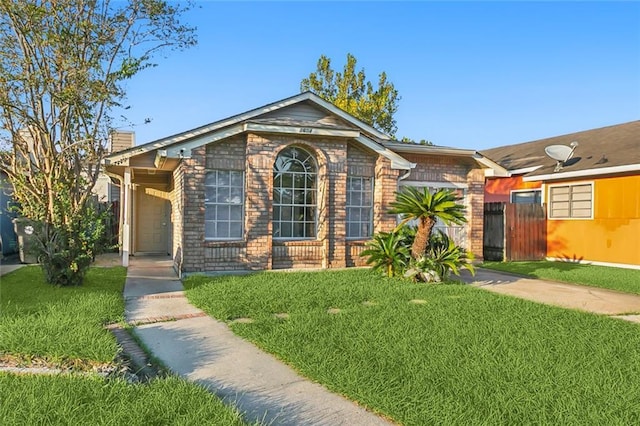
(470, 74)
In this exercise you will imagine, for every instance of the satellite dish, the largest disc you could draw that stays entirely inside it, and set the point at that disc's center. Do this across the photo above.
(561, 153)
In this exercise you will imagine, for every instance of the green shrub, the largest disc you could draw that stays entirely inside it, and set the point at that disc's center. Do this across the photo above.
(388, 252)
(65, 251)
(443, 256)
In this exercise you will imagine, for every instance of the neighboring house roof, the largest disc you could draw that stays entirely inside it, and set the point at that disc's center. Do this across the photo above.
(606, 150)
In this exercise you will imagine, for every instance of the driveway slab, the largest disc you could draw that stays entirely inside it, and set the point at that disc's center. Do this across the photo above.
(585, 298)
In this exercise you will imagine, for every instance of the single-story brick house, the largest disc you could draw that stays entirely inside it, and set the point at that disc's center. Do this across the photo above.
(297, 183)
(592, 199)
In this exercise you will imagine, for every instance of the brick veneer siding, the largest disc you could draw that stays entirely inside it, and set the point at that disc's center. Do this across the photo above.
(193, 211)
(226, 255)
(255, 154)
(438, 169)
(359, 163)
(297, 254)
(462, 171)
(177, 204)
(475, 197)
(386, 185)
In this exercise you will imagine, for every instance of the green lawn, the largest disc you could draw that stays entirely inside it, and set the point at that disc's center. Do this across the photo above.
(627, 280)
(64, 326)
(73, 400)
(460, 355)
(61, 324)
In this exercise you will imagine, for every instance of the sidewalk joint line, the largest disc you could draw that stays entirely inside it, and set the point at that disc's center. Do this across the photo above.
(167, 318)
(156, 296)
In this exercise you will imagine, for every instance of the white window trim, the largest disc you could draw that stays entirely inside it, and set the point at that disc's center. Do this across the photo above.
(577, 183)
(244, 196)
(524, 190)
(317, 209)
(373, 192)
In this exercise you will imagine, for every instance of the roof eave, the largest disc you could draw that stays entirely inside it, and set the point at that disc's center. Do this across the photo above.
(492, 169)
(397, 161)
(198, 132)
(411, 148)
(583, 173)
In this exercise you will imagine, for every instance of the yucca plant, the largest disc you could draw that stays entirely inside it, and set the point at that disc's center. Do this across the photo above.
(425, 206)
(388, 252)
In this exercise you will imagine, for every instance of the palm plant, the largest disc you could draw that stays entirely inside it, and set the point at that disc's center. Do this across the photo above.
(442, 257)
(388, 252)
(426, 207)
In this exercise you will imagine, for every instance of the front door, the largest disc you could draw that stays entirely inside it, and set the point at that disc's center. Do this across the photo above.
(152, 224)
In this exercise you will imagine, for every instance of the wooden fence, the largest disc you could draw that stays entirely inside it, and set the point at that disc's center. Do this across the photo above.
(514, 232)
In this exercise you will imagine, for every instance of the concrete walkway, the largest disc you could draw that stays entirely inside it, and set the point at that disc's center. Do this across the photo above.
(10, 264)
(591, 299)
(204, 350)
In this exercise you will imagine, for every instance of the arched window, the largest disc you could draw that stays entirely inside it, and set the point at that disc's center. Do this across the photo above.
(294, 194)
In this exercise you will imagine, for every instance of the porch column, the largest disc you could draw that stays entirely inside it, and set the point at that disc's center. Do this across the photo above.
(126, 217)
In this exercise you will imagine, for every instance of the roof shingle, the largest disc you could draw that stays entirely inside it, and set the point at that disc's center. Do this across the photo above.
(611, 146)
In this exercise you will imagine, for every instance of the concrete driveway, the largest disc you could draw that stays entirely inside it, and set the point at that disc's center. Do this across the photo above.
(572, 296)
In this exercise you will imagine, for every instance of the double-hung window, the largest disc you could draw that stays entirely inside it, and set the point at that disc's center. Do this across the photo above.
(223, 205)
(359, 207)
(573, 201)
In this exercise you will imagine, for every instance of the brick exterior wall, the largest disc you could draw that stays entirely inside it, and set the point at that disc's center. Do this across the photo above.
(456, 170)
(475, 197)
(359, 163)
(228, 255)
(177, 205)
(438, 168)
(384, 193)
(336, 159)
(255, 154)
(193, 211)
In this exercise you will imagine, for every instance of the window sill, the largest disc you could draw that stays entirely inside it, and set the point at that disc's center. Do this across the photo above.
(224, 243)
(301, 242)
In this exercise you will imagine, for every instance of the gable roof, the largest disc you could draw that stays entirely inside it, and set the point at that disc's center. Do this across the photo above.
(605, 150)
(263, 119)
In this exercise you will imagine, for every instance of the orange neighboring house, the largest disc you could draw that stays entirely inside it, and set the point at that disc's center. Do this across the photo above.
(592, 198)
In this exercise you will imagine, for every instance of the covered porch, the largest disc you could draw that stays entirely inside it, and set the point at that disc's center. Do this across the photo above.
(147, 195)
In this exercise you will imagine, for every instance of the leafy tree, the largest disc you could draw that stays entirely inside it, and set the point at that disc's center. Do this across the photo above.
(350, 91)
(62, 69)
(421, 142)
(426, 207)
